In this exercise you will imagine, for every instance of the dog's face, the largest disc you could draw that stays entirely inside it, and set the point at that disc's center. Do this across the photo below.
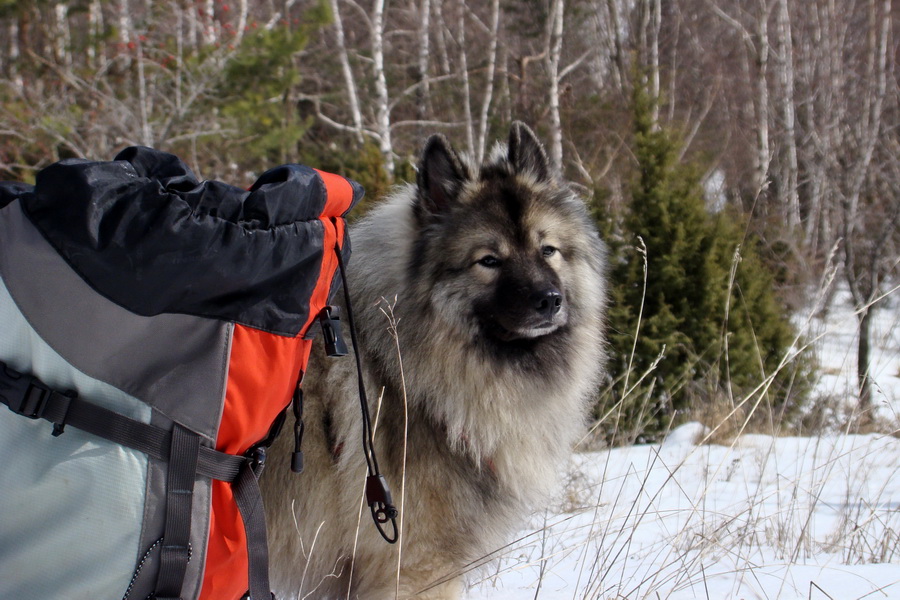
(497, 247)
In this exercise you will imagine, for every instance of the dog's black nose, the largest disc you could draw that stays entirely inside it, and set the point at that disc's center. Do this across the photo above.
(547, 302)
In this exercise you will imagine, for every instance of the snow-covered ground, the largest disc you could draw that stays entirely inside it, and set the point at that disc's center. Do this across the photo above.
(812, 518)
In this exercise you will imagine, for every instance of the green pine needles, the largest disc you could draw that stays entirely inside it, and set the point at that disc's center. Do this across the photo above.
(694, 319)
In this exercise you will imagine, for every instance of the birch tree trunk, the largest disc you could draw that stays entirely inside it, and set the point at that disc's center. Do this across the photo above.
(347, 71)
(14, 52)
(789, 198)
(763, 156)
(242, 22)
(143, 98)
(619, 43)
(489, 81)
(440, 29)
(63, 41)
(95, 60)
(208, 25)
(464, 75)
(422, 92)
(382, 104)
(555, 38)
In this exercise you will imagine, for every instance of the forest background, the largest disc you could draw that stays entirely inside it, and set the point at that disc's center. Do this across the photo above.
(738, 155)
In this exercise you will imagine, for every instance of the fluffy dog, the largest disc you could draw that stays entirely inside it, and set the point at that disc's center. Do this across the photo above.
(493, 278)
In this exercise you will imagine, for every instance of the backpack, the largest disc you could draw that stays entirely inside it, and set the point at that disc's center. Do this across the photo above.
(153, 331)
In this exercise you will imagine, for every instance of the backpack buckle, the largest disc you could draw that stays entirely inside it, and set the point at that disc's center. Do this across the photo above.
(23, 394)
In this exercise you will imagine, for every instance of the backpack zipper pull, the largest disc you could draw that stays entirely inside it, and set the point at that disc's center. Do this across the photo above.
(297, 455)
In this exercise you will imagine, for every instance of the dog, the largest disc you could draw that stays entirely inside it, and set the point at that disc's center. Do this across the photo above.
(479, 298)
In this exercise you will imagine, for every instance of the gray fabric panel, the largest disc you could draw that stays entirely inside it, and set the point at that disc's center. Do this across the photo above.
(64, 501)
(175, 363)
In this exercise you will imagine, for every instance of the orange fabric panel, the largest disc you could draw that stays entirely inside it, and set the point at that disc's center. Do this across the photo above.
(262, 372)
(340, 194)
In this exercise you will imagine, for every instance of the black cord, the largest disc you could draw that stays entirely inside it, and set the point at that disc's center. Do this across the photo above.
(378, 495)
(368, 440)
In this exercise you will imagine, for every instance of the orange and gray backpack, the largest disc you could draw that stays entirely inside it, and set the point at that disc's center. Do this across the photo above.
(153, 329)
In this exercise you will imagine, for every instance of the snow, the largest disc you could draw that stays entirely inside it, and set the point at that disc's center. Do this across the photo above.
(812, 518)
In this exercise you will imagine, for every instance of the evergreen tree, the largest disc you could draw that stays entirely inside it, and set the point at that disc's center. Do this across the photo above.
(703, 334)
(258, 93)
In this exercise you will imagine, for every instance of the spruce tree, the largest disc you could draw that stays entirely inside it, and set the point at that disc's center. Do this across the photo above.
(702, 334)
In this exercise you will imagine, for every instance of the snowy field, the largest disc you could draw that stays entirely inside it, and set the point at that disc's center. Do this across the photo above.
(762, 518)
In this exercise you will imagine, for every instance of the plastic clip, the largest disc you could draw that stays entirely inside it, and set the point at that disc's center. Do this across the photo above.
(330, 319)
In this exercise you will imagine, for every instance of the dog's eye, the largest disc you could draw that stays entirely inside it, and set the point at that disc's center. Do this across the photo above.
(490, 261)
(549, 250)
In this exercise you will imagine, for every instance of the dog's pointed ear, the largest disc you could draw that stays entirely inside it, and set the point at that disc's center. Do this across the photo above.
(526, 153)
(441, 175)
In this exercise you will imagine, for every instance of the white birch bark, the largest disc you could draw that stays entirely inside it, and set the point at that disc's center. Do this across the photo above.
(126, 27)
(95, 29)
(441, 38)
(763, 156)
(618, 43)
(347, 71)
(789, 198)
(242, 22)
(193, 32)
(422, 93)
(489, 82)
(143, 98)
(382, 103)
(557, 8)
(14, 53)
(63, 41)
(468, 125)
(208, 26)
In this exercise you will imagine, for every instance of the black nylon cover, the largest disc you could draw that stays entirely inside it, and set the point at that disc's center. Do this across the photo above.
(145, 233)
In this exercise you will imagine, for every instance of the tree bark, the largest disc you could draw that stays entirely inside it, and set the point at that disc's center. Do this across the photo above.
(382, 103)
(555, 39)
(468, 123)
(347, 71)
(763, 155)
(489, 81)
(422, 92)
(863, 352)
(789, 198)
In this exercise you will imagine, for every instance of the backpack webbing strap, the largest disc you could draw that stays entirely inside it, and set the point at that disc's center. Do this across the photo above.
(28, 396)
(176, 551)
(249, 500)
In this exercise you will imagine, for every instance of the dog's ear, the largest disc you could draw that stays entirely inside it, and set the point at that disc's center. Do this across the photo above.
(441, 175)
(526, 153)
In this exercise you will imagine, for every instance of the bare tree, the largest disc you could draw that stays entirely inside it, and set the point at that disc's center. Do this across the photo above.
(864, 242)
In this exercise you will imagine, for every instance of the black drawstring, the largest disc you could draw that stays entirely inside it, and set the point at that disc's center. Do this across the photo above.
(378, 494)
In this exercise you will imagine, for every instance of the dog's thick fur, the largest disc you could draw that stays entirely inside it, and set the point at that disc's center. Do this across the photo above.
(494, 276)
